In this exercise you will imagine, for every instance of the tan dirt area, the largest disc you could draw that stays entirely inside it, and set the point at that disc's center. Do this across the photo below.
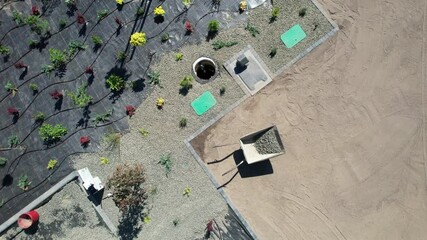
(352, 118)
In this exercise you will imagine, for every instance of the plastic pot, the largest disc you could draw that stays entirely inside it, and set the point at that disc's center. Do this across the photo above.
(28, 219)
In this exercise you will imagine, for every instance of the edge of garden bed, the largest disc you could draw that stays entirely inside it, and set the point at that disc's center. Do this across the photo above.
(188, 140)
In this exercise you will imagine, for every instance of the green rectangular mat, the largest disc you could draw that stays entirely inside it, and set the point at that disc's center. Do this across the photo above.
(293, 36)
(203, 103)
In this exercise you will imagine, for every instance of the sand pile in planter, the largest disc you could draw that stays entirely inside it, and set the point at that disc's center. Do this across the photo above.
(268, 143)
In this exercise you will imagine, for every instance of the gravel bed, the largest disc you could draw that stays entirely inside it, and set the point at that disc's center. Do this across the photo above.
(67, 215)
(267, 143)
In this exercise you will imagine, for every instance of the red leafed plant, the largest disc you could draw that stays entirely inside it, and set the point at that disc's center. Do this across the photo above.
(20, 65)
(85, 140)
(13, 111)
(130, 110)
(35, 11)
(56, 95)
(118, 21)
(89, 70)
(188, 26)
(80, 19)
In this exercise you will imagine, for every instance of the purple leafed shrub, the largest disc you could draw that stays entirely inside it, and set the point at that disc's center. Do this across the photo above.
(20, 65)
(56, 95)
(13, 111)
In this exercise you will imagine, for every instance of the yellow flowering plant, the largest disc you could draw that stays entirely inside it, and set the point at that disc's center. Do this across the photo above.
(243, 5)
(158, 11)
(138, 39)
(119, 2)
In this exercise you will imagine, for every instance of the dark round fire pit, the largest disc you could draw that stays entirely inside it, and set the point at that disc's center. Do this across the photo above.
(205, 70)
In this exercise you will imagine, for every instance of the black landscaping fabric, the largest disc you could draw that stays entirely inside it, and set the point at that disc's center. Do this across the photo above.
(32, 155)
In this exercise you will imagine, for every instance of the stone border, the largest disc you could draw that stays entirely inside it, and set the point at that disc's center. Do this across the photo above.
(247, 94)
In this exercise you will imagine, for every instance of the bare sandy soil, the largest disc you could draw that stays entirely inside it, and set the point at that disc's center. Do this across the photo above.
(352, 118)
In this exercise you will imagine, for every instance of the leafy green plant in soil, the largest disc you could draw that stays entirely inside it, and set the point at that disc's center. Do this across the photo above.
(183, 122)
(143, 132)
(166, 162)
(273, 52)
(62, 24)
(33, 87)
(140, 12)
(179, 56)
(74, 46)
(274, 14)
(39, 117)
(11, 88)
(221, 44)
(222, 91)
(251, 29)
(302, 12)
(121, 56)
(126, 184)
(115, 83)
(102, 118)
(101, 14)
(4, 50)
(113, 139)
(3, 161)
(164, 37)
(57, 57)
(154, 78)
(80, 98)
(213, 26)
(18, 17)
(175, 222)
(186, 82)
(97, 40)
(49, 133)
(23, 182)
(51, 164)
(47, 69)
(13, 141)
(37, 24)
(104, 160)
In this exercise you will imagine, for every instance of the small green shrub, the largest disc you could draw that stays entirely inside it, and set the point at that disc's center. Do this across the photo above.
(24, 182)
(62, 24)
(18, 17)
(104, 161)
(251, 29)
(165, 37)
(274, 14)
(4, 50)
(126, 184)
(57, 57)
(186, 192)
(273, 52)
(33, 43)
(143, 132)
(179, 56)
(51, 164)
(166, 162)
(213, 26)
(47, 69)
(222, 91)
(3, 161)
(187, 82)
(175, 222)
(80, 98)
(183, 122)
(37, 24)
(121, 56)
(140, 12)
(113, 139)
(115, 83)
(101, 14)
(11, 88)
(33, 87)
(102, 118)
(154, 77)
(39, 117)
(13, 141)
(221, 44)
(302, 12)
(97, 40)
(49, 133)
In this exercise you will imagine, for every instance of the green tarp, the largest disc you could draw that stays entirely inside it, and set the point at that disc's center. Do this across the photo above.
(203, 103)
(293, 36)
